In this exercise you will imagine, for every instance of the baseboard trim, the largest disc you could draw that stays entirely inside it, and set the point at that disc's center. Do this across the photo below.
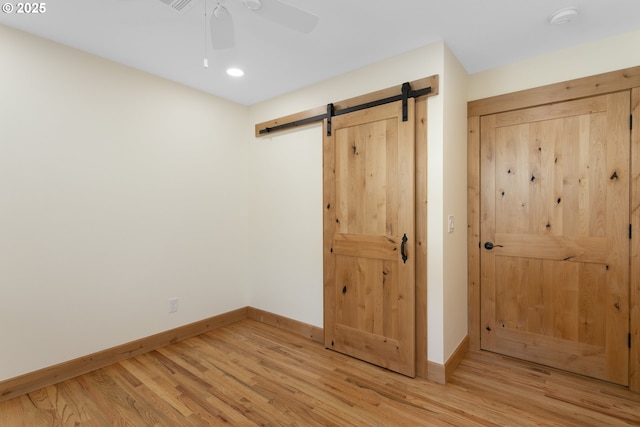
(36, 380)
(314, 333)
(441, 374)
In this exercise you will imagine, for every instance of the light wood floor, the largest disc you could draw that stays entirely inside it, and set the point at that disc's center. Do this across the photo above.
(251, 374)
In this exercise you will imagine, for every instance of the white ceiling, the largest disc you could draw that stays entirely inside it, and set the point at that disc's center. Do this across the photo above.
(148, 35)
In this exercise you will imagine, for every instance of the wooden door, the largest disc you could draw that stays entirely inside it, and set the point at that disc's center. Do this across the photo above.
(555, 207)
(369, 287)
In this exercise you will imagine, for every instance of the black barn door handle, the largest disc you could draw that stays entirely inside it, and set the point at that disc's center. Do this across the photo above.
(402, 251)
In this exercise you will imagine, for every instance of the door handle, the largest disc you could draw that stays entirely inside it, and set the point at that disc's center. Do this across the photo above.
(402, 251)
(489, 245)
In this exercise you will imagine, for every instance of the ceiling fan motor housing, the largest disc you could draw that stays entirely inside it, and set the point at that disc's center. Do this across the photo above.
(220, 11)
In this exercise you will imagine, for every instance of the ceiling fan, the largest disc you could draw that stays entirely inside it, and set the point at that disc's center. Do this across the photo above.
(222, 31)
(221, 21)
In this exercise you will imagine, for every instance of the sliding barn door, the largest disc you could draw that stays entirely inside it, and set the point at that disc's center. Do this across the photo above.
(555, 235)
(369, 262)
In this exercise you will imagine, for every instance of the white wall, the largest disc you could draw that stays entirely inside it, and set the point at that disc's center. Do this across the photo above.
(118, 190)
(610, 54)
(285, 221)
(454, 182)
(285, 193)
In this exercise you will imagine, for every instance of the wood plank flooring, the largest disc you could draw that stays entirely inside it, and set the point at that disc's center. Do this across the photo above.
(249, 374)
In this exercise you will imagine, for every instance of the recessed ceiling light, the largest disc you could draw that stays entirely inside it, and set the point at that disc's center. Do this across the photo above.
(563, 16)
(235, 72)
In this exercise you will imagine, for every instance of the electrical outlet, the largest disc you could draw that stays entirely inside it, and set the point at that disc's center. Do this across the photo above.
(173, 305)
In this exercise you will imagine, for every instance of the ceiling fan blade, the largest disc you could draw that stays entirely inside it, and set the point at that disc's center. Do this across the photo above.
(222, 32)
(288, 16)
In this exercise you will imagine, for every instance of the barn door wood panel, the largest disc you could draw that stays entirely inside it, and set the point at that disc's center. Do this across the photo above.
(369, 263)
(555, 235)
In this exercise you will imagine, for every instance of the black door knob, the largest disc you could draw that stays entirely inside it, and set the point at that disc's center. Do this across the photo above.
(489, 245)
